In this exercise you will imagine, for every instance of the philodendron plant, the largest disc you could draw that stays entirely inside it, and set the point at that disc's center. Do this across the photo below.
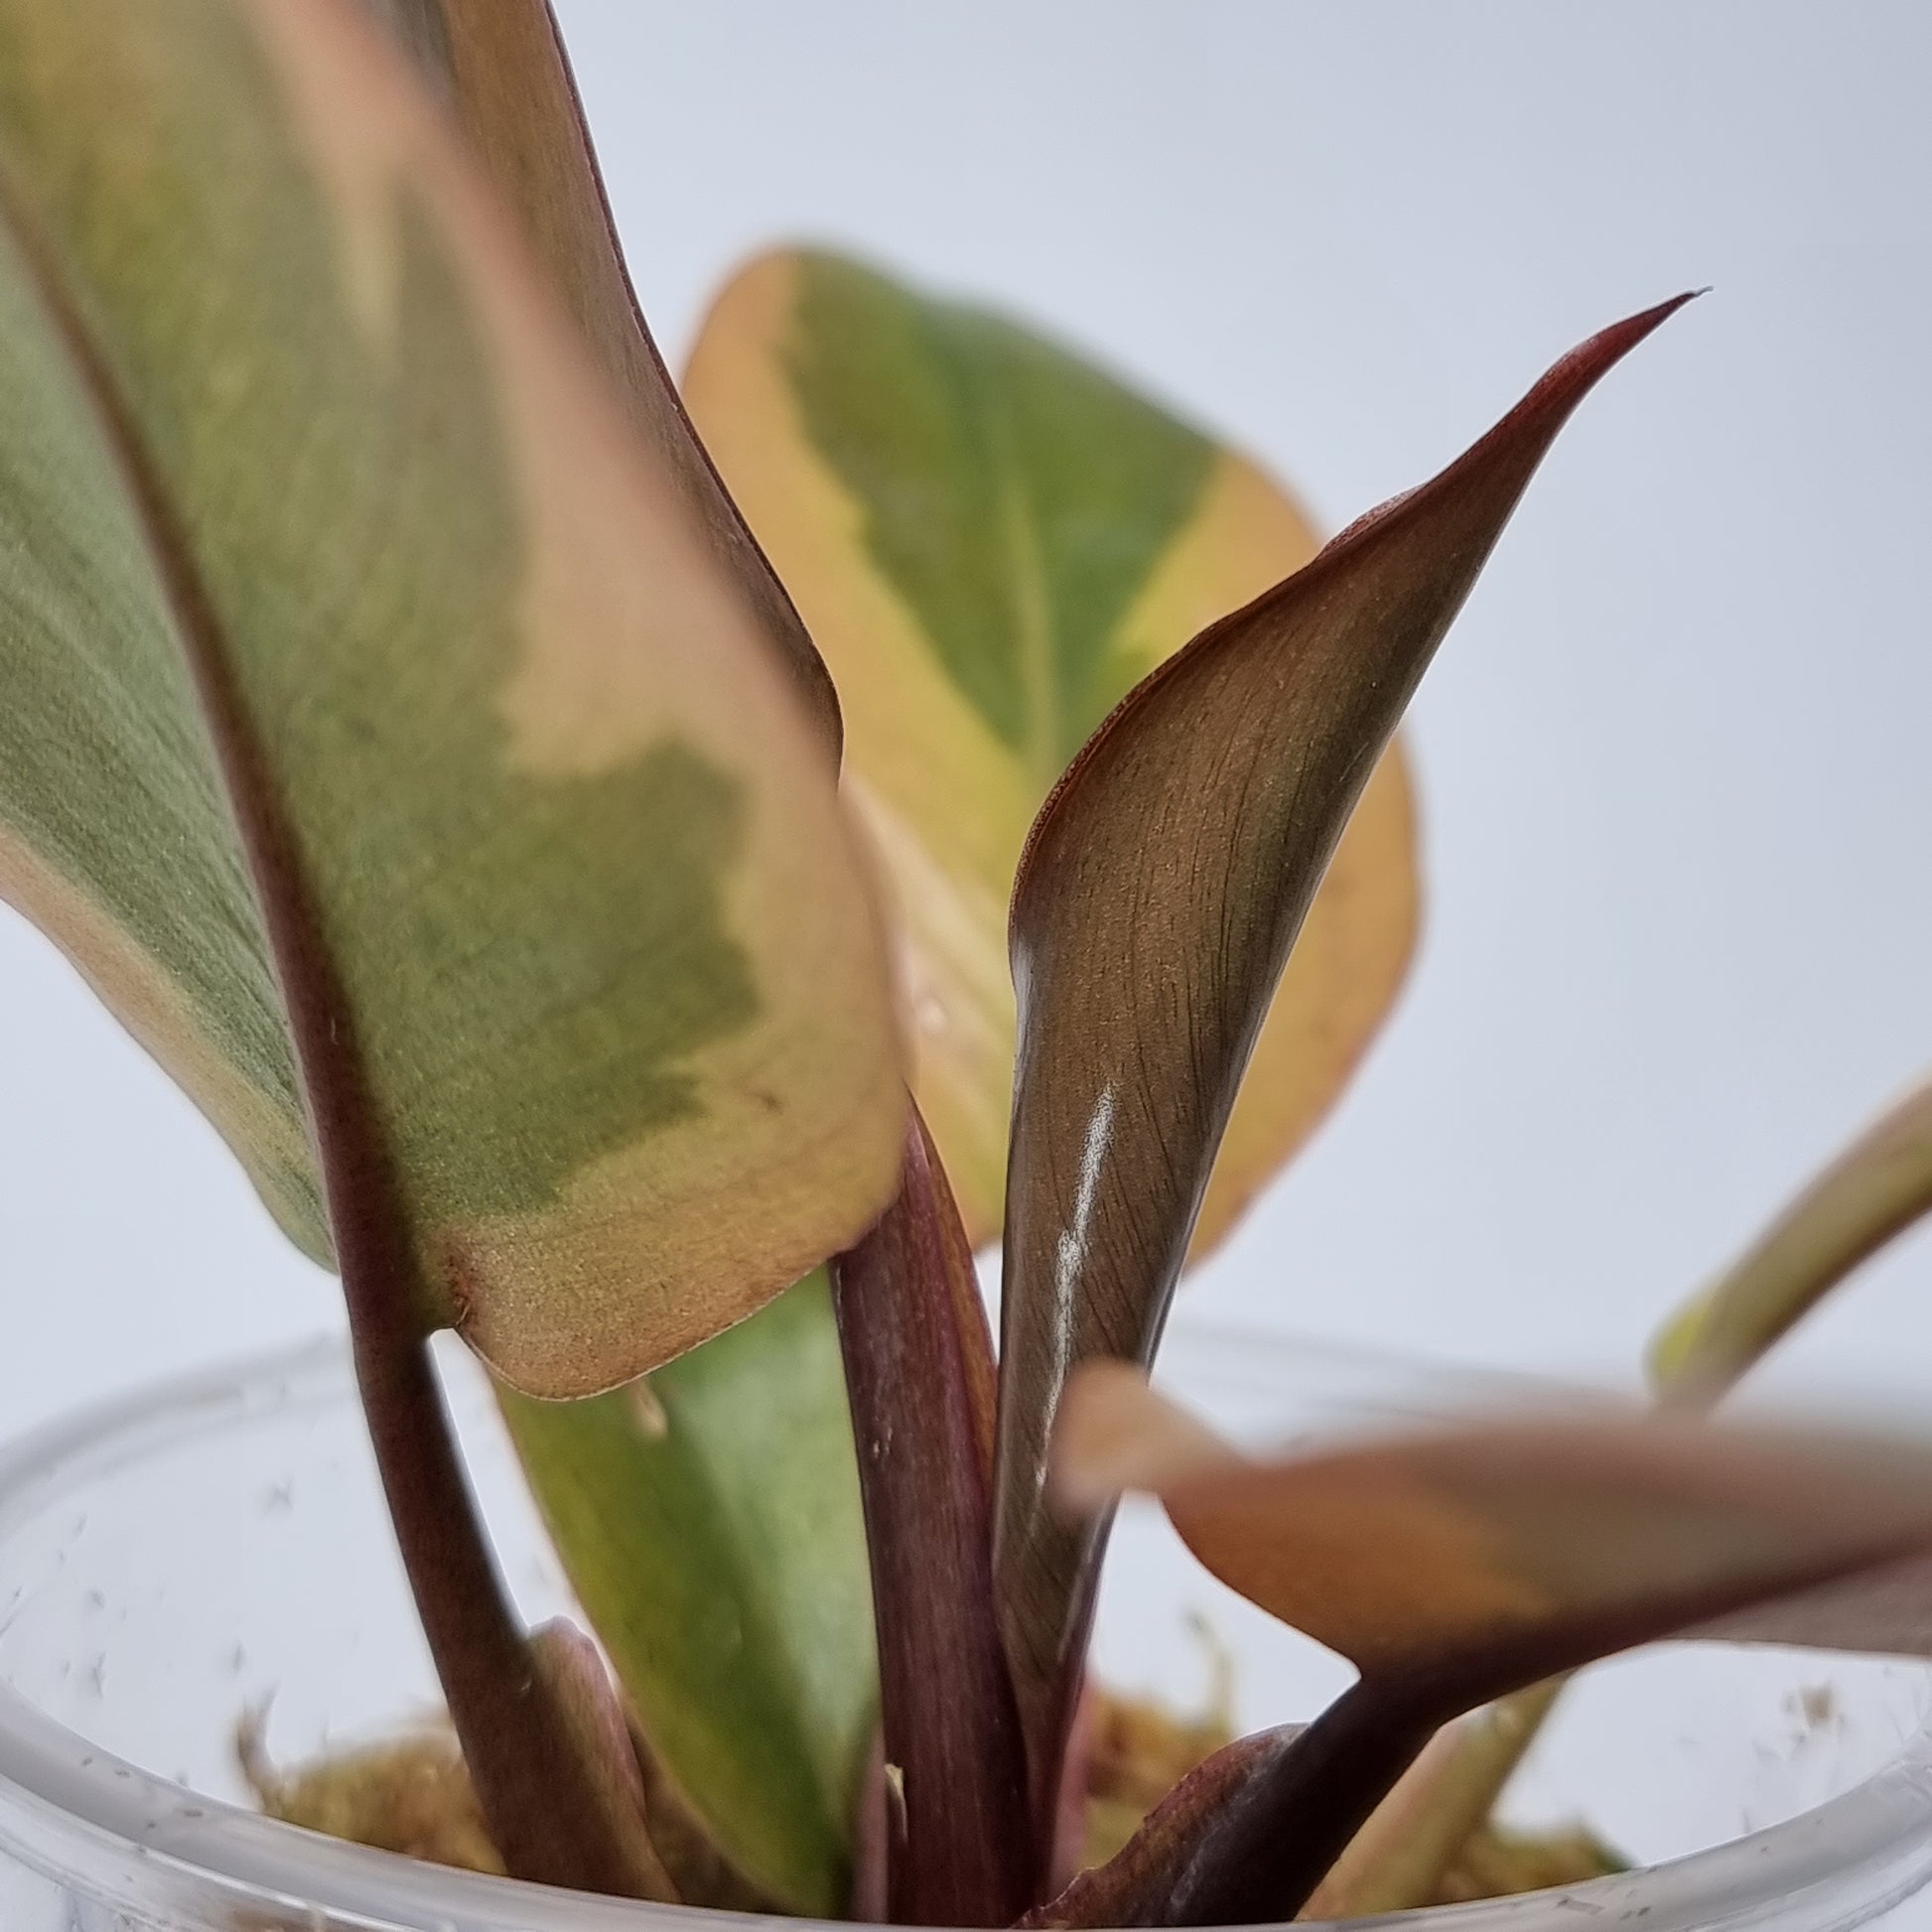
(569, 862)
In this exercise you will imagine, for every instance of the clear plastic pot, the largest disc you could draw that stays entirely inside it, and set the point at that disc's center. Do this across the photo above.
(171, 1561)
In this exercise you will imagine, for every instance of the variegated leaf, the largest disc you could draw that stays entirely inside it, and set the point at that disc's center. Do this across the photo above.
(341, 558)
(993, 540)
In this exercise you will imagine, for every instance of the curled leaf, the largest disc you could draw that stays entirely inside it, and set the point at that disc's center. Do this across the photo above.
(992, 540)
(1181, 1828)
(1159, 894)
(569, 1663)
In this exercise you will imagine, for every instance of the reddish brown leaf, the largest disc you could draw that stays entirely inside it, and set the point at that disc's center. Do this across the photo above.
(1163, 886)
(1458, 1565)
(1182, 1829)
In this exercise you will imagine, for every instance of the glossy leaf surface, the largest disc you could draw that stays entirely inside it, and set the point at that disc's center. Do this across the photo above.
(1158, 898)
(1181, 1827)
(708, 1518)
(992, 541)
(532, 797)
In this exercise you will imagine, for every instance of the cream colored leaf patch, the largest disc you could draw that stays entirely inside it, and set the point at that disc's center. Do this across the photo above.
(550, 806)
(992, 540)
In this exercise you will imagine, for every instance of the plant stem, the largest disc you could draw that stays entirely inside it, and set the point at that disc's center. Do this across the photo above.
(1279, 1835)
(919, 1374)
(1247, 1836)
(535, 1789)
(1397, 1860)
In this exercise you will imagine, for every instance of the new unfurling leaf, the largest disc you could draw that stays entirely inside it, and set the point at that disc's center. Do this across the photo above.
(1159, 894)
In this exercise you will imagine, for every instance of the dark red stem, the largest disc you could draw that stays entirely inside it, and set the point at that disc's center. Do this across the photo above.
(529, 1775)
(919, 1365)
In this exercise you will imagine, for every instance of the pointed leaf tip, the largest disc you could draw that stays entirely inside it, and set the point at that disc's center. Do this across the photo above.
(1160, 891)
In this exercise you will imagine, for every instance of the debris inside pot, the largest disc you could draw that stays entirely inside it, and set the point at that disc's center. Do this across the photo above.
(411, 1794)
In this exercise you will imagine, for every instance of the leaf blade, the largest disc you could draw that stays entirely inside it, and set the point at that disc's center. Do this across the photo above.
(1143, 972)
(992, 540)
(451, 616)
(1454, 1567)
(502, 67)
(708, 1520)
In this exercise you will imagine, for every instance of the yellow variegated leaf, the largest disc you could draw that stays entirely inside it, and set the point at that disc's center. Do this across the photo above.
(354, 612)
(992, 542)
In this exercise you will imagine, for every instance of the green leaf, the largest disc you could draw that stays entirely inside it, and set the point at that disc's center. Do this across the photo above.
(500, 68)
(568, 928)
(1159, 892)
(708, 1521)
(114, 835)
(1453, 1567)
(992, 541)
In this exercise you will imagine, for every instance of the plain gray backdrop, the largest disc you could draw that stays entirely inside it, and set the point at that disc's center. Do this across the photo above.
(1672, 760)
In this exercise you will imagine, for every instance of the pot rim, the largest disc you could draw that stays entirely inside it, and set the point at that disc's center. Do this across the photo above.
(119, 1834)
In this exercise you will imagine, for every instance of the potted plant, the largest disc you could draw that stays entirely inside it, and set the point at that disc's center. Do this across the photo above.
(413, 744)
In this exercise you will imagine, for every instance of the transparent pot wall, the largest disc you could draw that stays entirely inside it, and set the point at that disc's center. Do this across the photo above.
(171, 1566)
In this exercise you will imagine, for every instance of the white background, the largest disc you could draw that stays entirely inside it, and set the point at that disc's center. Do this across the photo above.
(1673, 759)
